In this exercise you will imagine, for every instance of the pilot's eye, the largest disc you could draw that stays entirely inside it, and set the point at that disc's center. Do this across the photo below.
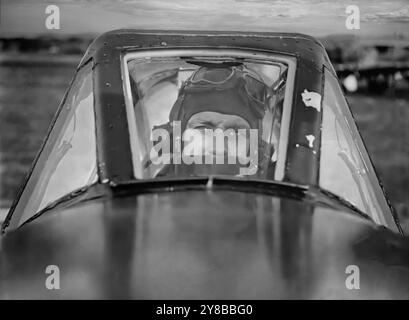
(202, 127)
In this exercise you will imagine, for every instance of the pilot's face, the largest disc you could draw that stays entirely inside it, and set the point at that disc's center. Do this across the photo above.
(235, 143)
(216, 120)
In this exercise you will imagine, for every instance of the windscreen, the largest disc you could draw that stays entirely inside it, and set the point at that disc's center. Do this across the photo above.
(205, 115)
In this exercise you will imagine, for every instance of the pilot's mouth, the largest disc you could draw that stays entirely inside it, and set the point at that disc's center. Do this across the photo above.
(215, 153)
(210, 152)
(217, 157)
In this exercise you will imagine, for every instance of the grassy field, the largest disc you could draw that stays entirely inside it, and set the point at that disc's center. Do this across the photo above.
(384, 125)
(30, 95)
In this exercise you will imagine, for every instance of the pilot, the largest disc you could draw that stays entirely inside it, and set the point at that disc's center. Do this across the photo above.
(228, 100)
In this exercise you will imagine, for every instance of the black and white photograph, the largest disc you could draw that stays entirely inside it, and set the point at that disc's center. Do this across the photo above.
(204, 155)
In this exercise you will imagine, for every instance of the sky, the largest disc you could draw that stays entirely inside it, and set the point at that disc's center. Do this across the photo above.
(319, 18)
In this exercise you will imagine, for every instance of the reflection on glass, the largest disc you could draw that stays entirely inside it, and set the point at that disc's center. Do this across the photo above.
(68, 159)
(343, 171)
(201, 116)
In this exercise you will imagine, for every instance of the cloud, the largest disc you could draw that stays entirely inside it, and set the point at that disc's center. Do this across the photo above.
(316, 17)
(401, 15)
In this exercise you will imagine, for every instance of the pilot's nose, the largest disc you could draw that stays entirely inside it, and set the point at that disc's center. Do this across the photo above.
(228, 147)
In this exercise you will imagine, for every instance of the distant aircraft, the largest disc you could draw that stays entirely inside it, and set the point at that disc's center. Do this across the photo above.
(380, 65)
